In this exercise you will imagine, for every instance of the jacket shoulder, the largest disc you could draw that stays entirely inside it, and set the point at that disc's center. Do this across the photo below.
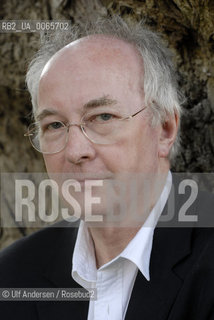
(27, 258)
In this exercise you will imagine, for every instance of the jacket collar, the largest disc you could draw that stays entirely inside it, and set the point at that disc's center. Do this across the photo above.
(153, 299)
(168, 265)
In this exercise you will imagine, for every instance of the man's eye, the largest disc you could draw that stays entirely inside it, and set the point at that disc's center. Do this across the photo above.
(54, 125)
(103, 117)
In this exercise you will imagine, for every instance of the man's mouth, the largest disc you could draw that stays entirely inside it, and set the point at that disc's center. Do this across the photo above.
(83, 177)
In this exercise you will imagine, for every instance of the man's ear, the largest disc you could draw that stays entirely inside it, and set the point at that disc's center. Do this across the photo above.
(168, 132)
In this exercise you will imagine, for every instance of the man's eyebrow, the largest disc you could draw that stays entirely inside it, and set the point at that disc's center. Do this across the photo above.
(103, 101)
(44, 113)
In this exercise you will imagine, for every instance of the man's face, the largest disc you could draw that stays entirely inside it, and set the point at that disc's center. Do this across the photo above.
(85, 71)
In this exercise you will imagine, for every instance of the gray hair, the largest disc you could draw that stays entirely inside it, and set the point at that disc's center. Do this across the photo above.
(159, 81)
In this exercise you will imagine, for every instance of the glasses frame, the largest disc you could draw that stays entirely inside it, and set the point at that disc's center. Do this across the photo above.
(81, 126)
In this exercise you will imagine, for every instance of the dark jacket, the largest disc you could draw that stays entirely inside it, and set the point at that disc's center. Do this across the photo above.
(181, 271)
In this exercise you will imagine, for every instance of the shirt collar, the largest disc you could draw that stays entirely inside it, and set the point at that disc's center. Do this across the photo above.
(137, 251)
(84, 261)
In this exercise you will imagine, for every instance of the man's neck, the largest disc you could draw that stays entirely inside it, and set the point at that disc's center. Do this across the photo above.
(110, 242)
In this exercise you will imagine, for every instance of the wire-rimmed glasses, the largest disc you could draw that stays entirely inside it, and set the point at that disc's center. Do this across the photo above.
(99, 128)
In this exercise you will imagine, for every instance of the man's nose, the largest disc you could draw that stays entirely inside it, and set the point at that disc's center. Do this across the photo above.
(78, 148)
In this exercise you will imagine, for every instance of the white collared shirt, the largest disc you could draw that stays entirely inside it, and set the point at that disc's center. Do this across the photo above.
(114, 281)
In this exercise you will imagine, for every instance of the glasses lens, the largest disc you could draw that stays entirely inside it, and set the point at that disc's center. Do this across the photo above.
(48, 139)
(103, 128)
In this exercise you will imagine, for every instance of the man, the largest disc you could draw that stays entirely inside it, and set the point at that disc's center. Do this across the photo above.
(107, 108)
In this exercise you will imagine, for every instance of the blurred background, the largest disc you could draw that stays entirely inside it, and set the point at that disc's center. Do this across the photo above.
(188, 29)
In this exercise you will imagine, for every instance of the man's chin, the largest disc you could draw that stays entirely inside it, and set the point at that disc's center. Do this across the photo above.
(125, 201)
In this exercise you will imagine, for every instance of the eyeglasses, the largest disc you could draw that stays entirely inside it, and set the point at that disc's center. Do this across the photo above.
(100, 128)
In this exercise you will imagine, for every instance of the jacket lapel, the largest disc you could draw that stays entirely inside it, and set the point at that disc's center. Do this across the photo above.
(58, 273)
(153, 299)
